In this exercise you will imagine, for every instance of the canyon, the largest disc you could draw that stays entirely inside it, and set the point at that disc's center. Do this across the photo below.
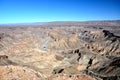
(87, 50)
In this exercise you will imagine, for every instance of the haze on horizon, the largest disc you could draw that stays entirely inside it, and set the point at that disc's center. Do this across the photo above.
(24, 11)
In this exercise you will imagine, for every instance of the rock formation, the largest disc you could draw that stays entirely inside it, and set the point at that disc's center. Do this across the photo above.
(85, 51)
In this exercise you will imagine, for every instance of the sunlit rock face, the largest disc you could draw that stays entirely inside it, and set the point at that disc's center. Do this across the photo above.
(63, 51)
(102, 42)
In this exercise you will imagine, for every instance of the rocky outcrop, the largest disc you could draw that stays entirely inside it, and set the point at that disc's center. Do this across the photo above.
(17, 73)
(101, 42)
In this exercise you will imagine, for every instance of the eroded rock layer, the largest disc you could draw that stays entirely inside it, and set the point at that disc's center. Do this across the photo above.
(60, 52)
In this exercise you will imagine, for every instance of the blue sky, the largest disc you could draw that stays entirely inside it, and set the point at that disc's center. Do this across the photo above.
(22, 11)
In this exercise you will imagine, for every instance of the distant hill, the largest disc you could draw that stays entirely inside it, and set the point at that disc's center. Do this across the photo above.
(101, 23)
(87, 23)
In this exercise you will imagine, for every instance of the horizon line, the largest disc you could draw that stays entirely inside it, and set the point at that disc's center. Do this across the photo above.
(12, 23)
